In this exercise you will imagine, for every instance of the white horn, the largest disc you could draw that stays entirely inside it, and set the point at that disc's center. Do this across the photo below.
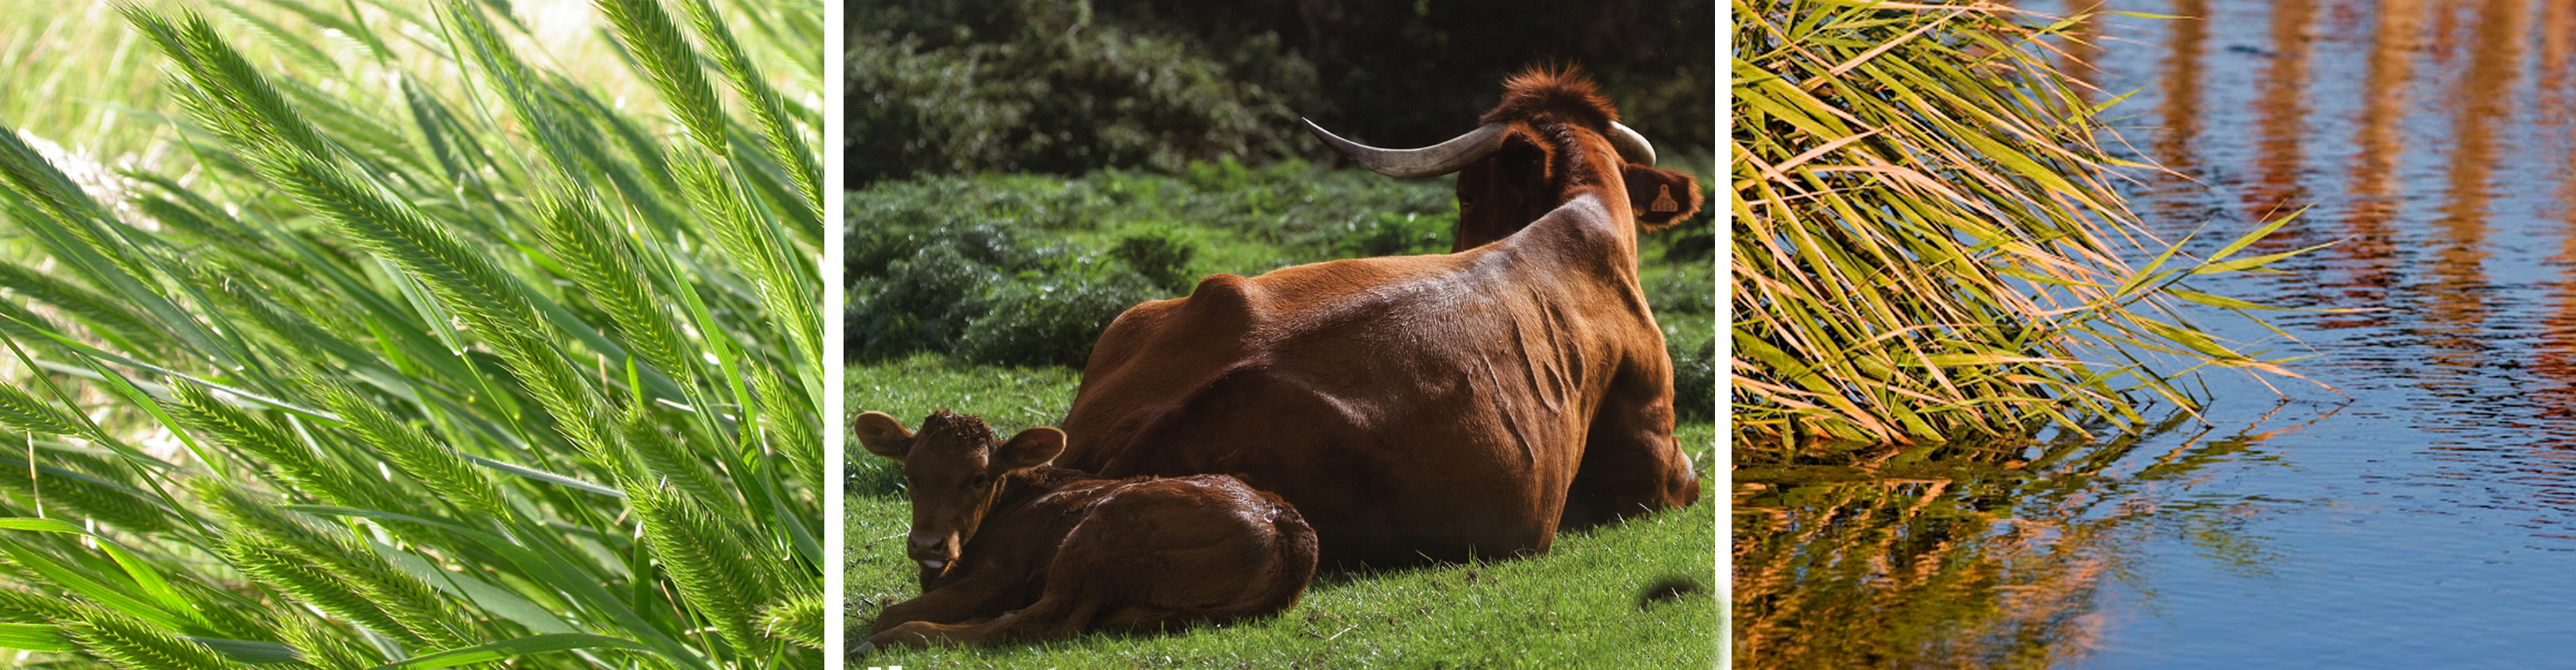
(1632, 146)
(1430, 161)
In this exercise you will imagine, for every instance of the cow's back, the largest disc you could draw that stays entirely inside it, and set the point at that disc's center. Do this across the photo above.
(1412, 407)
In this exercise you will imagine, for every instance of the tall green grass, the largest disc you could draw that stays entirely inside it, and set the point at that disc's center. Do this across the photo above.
(431, 354)
(1929, 241)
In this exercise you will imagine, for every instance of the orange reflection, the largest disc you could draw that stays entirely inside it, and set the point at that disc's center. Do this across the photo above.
(2456, 305)
(2284, 111)
(2557, 356)
(2373, 205)
(2180, 111)
(2083, 54)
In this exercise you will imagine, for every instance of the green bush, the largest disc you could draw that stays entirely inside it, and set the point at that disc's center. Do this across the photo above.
(1694, 379)
(950, 87)
(981, 292)
(1049, 317)
(1159, 257)
(1037, 85)
(1689, 288)
(1395, 234)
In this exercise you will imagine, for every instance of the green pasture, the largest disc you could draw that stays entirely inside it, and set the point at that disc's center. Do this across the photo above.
(1578, 606)
(1574, 607)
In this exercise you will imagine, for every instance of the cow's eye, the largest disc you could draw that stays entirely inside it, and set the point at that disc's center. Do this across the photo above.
(980, 481)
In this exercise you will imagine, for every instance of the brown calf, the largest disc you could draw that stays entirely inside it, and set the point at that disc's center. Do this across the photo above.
(1010, 549)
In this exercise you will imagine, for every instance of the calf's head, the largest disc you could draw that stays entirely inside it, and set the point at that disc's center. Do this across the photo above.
(1553, 138)
(952, 470)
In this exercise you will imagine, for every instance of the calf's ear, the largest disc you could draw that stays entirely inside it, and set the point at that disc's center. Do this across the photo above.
(883, 436)
(1660, 198)
(1029, 449)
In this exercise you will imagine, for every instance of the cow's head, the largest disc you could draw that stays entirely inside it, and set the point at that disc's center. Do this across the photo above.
(952, 470)
(1553, 138)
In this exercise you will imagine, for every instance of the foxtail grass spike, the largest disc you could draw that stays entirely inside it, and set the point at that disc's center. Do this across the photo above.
(128, 643)
(717, 570)
(25, 412)
(786, 146)
(278, 566)
(294, 462)
(319, 645)
(90, 496)
(436, 467)
(800, 620)
(671, 63)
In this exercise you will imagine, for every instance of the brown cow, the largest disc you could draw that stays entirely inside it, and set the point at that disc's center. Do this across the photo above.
(1429, 407)
(1009, 549)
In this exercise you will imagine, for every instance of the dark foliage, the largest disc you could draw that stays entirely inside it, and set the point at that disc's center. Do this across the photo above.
(1158, 257)
(1694, 379)
(1034, 85)
(1696, 239)
(1066, 86)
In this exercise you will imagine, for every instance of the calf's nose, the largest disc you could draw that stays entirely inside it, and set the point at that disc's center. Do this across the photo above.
(933, 551)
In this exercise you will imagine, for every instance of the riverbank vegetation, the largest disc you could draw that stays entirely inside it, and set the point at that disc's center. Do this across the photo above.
(1929, 243)
(390, 339)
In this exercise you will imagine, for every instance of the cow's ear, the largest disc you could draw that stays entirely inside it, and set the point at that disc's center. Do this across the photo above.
(1029, 449)
(1660, 198)
(883, 436)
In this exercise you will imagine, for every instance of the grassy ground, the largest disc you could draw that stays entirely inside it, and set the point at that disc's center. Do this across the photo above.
(1575, 607)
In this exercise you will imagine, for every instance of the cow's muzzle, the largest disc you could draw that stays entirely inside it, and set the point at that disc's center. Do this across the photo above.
(933, 551)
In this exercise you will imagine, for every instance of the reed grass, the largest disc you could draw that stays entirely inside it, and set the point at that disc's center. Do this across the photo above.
(1930, 239)
(431, 353)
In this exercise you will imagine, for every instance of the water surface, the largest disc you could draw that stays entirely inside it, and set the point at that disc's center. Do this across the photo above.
(2420, 514)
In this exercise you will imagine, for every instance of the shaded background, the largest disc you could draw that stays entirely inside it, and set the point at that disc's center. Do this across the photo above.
(1066, 86)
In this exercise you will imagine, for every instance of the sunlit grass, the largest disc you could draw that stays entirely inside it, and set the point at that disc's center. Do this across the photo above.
(428, 351)
(1577, 606)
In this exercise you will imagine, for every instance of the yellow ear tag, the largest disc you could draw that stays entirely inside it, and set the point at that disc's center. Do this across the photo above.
(1664, 200)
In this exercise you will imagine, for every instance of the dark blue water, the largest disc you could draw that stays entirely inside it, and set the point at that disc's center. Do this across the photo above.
(2412, 506)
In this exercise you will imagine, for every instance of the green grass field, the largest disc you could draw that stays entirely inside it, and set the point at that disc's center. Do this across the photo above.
(360, 335)
(1578, 606)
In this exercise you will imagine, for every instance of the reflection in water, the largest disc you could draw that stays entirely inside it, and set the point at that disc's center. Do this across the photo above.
(2456, 300)
(2084, 49)
(2436, 140)
(1993, 558)
(2556, 359)
(2368, 253)
(2180, 113)
(2276, 191)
